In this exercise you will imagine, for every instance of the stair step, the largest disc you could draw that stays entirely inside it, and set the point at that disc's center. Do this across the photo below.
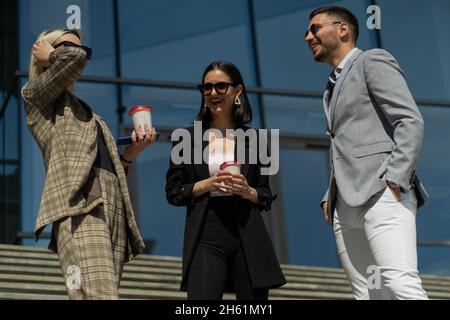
(31, 296)
(34, 273)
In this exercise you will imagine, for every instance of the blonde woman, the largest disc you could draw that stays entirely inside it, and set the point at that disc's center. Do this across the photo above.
(85, 194)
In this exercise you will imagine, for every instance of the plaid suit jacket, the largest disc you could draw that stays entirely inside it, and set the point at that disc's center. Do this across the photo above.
(65, 131)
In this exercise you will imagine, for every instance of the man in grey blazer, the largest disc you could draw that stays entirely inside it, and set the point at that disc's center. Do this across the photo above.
(376, 134)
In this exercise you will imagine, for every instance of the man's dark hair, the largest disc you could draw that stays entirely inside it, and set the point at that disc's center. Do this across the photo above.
(342, 14)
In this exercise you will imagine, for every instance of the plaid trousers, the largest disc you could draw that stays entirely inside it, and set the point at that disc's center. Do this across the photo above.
(92, 247)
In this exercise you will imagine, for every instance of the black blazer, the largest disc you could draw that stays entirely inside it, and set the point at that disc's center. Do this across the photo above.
(263, 265)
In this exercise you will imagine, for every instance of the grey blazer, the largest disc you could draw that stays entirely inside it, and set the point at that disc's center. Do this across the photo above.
(375, 129)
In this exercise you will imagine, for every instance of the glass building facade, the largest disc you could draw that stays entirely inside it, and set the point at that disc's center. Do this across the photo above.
(154, 52)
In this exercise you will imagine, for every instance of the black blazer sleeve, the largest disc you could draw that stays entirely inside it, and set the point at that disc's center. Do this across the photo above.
(264, 192)
(178, 188)
(261, 184)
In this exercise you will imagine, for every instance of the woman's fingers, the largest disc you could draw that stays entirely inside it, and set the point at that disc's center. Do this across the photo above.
(221, 187)
(224, 174)
(140, 134)
(133, 136)
(147, 134)
(41, 51)
(223, 178)
(153, 135)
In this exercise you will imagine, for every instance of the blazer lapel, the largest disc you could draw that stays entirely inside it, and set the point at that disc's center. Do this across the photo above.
(339, 82)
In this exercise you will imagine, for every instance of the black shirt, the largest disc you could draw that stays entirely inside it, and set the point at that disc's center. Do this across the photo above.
(103, 159)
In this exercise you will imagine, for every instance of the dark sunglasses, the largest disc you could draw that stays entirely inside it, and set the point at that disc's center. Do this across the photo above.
(316, 26)
(220, 87)
(71, 44)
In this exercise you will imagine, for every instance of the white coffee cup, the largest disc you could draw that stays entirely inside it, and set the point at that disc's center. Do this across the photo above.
(233, 167)
(141, 116)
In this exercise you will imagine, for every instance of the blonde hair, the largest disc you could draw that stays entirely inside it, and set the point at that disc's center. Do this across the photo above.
(51, 36)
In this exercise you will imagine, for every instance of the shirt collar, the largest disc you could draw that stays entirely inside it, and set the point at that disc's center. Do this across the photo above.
(345, 60)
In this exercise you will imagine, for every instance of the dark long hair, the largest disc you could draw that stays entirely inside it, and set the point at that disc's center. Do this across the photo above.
(242, 114)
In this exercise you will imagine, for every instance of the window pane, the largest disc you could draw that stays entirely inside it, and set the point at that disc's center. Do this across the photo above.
(9, 203)
(170, 107)
(434, 260)
(433, 220)
(285, 59)
(9, 130)
(96, 29)
(304, 176)
(416, 33)
(295, 115)
(176, 40)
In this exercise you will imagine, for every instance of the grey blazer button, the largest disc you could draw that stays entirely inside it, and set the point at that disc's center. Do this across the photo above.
(330, 134)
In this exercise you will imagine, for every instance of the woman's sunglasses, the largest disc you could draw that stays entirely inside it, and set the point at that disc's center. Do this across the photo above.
(71, 44)
(220, 87)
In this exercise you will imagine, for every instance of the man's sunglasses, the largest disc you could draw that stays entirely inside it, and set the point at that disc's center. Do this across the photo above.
(316, 26)
(220, 87)
(71, 44)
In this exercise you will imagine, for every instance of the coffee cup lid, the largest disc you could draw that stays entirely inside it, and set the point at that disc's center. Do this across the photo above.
(228, 163)
(139, 108)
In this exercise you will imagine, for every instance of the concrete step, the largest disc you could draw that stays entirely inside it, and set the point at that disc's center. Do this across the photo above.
(30, 249)
(30, 296)
(34, 273)
(27, 257)
(153, 267)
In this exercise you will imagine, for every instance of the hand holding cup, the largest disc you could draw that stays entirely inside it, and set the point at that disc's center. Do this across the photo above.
(139, 142)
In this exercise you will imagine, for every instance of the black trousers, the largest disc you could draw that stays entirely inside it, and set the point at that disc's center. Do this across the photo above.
(219, 255)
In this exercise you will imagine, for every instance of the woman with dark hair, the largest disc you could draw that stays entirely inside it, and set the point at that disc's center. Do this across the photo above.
(226, 244)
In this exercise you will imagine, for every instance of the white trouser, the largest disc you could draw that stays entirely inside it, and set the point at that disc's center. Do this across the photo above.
(377, 247)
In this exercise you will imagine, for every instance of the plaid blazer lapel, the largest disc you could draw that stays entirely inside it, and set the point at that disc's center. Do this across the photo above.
(136, 243)
(79, 131)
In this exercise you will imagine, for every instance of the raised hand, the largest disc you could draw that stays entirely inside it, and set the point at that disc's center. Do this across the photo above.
(41, 51)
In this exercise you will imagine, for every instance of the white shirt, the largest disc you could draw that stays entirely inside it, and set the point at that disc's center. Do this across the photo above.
(344, 61)
(220, 151)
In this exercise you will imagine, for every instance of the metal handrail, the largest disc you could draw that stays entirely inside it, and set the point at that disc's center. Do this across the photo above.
(190, 85)
(434, 243)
